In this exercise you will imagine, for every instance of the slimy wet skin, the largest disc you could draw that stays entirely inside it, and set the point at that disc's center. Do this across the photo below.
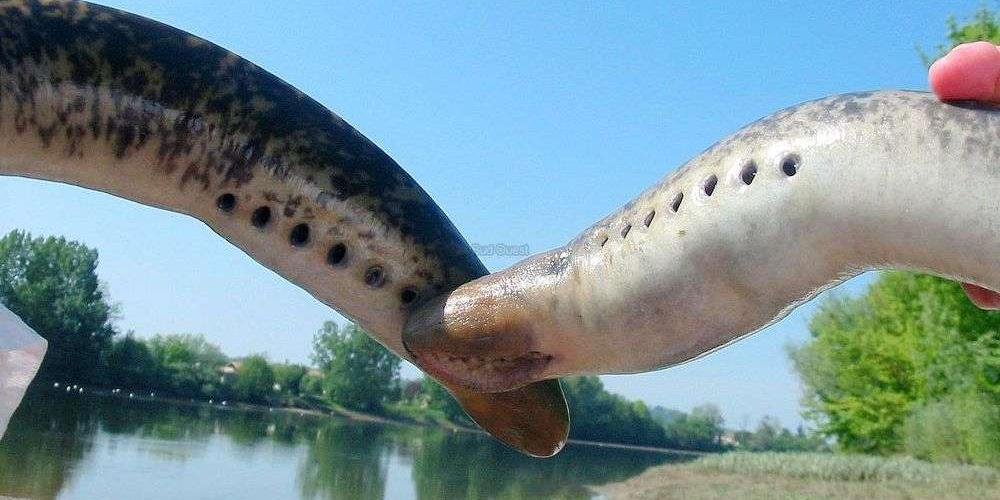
(754, 226)
(106, 100)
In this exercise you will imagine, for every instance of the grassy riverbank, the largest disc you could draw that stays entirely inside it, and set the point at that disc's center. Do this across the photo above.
(808, 475)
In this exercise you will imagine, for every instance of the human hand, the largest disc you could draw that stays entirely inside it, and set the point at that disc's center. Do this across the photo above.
(970, 71)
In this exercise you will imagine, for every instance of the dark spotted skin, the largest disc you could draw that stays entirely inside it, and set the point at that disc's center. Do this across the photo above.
(221, 94)
(769, 217)
(103, 99)
(947, 124)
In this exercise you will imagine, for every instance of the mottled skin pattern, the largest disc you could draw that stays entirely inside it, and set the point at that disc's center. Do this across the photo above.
(103, 99)
(214, 122)
(755, 225)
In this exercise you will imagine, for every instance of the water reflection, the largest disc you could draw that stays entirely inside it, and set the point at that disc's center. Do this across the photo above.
(346, 461)
(56, 441)
(40, 446)
(461, 465)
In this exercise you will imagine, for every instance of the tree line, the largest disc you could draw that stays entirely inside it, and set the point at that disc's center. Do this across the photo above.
(53, 285)
(910, 367)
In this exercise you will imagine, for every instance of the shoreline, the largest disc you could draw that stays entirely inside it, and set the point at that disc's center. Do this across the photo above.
(349, 415)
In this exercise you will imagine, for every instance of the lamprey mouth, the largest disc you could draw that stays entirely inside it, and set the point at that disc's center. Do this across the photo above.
(472, 344)
(469, 344)
(496, 379)
(484, 374)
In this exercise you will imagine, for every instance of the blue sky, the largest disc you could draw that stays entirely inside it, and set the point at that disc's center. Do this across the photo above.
(525, 122)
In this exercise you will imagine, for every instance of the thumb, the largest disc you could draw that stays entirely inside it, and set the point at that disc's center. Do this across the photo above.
(971, 71)
(985, 299)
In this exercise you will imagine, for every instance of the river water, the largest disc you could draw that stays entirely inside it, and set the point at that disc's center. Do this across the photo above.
(90, 447)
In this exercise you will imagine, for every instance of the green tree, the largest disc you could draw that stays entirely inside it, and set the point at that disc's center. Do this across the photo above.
(438, 398)
(254, 380)
(289, 378)
(983, 26)
(601, 416)
(701, 430)
(771, 436)
(311, 385)
(707, 421)
(894, 358)
(52, 285)
(358, 372)
(960, 427)
(189, 363)
(130, 364)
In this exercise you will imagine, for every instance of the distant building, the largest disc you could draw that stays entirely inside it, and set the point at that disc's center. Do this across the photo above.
(228, 371)
(230, 368)
(728, 438)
